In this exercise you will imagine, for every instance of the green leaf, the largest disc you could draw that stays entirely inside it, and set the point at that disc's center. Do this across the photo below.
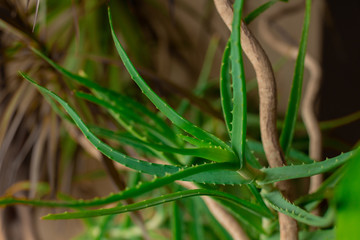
(338, 122)
(306, 170)
(161, 200)
(298, 156)
(202, 171)
(122, 113)
(326, 186)
(130, 120)
(163, 107)
(194, 141)
(203, 80)
(347, 200)
(280, 204)
(213, 153)
(77, 78)
(238, 133)
(225, 88)
(295, 95)
(176, 222)
(258, 197)
(112, 98)
(250, 158)
(138, 165)
(254, 14)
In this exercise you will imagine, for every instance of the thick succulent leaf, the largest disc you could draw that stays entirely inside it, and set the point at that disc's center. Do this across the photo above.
(161, 200)
(301, 171)
(280, 204)
(121, 112)
(225, 88)
(123, 136)
(129, 119)
(138, 165)
(238, 132)
(160, 104)
(80, 79)
(328, 185)
(299, 157)
(258, 11)
(295, 95)
(194, 141)
(102, 147)
(258, 197)
(57, 109)
(213, 153)
(128, 104)
(115, 99)
(140, 189)
(250, 157)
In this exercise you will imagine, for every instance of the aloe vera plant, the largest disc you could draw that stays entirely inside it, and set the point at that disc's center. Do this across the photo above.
(225, 168)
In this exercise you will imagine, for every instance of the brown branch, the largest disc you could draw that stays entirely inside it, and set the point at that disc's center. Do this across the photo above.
(312, 88)
(268, 104)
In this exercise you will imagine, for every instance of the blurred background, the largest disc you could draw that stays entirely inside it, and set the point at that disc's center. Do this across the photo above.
(177, 46)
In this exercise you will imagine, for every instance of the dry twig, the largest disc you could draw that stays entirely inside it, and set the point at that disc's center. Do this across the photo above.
(311, 92)
(268, 104)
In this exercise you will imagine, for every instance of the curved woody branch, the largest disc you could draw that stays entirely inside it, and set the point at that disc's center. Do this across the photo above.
(310, 94)
(268, 105)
